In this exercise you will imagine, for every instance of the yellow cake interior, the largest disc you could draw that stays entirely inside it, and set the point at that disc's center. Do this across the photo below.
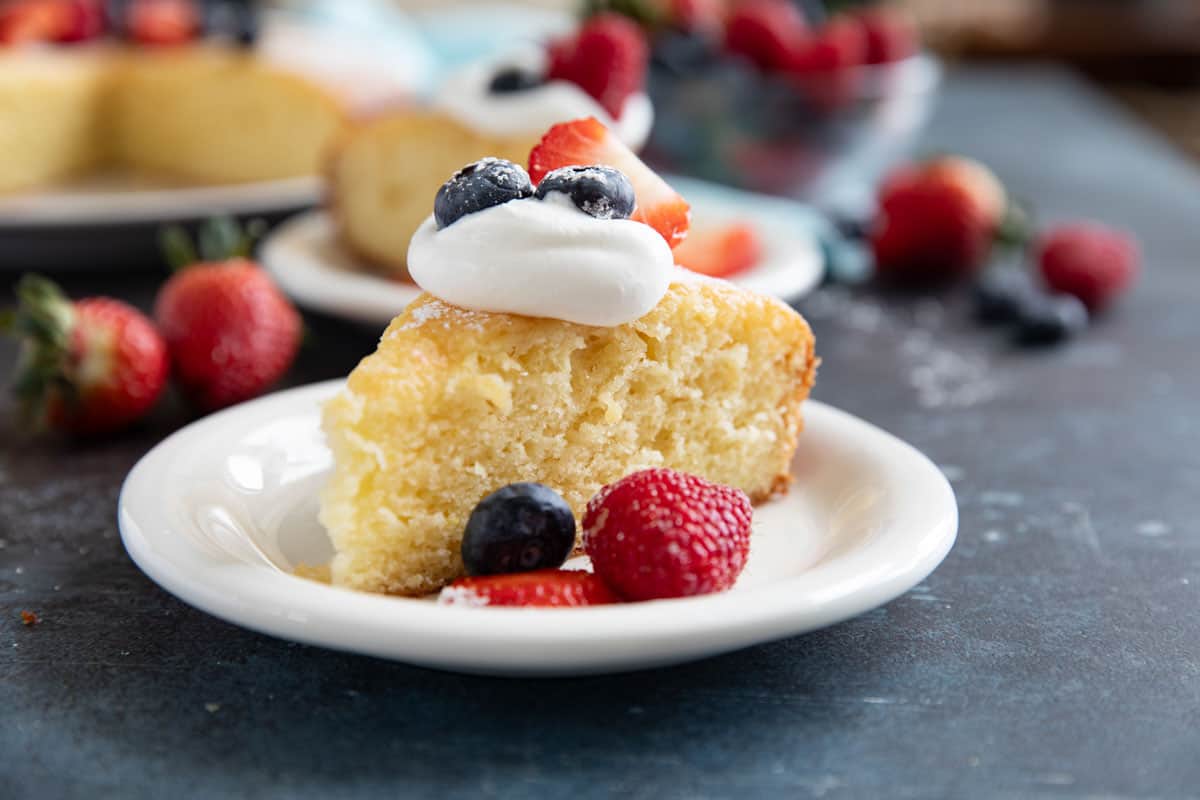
(383, 175)
(455, 404)
(202, 113)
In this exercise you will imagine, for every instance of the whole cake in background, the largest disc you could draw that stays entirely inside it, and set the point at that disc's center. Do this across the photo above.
(383, 172)
(210, 92)
(557, 343)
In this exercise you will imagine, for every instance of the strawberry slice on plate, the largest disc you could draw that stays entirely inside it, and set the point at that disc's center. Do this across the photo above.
(720, 251)
(586, 141)
(562, 588)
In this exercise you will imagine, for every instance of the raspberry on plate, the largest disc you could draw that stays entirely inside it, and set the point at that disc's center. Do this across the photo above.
(891, 34)
(555, 588)
(659, 533)
(1090, 261)
(586, 142)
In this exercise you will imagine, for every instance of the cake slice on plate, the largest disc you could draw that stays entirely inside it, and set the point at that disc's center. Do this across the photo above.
(556, 343)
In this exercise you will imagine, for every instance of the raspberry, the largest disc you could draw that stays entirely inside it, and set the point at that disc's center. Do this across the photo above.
(660, 533)
(1088, 260)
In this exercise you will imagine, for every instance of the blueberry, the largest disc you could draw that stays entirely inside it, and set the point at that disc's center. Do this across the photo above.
(522, 527)
(514, 79)
(1049, 319)
(486, 183)
(598, 191)
(1001, 295)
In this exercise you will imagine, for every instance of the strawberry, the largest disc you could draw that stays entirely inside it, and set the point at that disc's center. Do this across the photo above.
(232, 333)
(823, 65)
(720, 251)
(587, 141)
(544, 587)
(767, 32)
(661, 533)
(33, 21)
(86, 21)
(162, 22)
(88, 367)
(890, 34)
(606, 58)
(1088, 260)
(839, 44)
(936, 221)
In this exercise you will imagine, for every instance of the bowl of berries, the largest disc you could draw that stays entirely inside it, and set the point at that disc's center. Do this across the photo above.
(765, 96)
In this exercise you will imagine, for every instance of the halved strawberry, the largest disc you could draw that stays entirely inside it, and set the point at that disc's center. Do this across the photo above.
(720, 251)
(543, 587)
(587, 141)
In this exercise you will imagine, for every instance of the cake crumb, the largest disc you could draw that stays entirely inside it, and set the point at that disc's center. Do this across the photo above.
(212, 708)
(29, 619)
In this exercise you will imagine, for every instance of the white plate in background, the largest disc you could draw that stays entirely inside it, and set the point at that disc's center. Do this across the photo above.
(317, 271)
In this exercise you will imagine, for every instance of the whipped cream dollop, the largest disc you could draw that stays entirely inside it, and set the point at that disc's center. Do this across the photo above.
(466, 96)
(544, 258)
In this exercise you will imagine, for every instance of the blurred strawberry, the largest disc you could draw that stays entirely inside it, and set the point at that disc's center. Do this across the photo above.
(606, 58)
(231, 332)
(767, 32)
(27, 21)
(720, 251)
(86, 21)
(824, 65)
(936, 220)
(87, 367)
(890, 34)
(162, 22)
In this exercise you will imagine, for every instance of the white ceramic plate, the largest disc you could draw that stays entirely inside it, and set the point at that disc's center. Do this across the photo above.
(312, 266)
(120, 200)
(220, 513)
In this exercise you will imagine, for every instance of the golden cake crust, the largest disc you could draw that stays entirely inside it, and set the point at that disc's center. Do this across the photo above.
(455, 404)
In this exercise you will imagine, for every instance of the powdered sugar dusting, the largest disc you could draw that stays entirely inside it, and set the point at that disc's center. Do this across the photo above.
(461, 596)
(942, 376)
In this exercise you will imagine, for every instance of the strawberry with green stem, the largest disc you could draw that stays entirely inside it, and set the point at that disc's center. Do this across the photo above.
(231, 332)
(87, 367)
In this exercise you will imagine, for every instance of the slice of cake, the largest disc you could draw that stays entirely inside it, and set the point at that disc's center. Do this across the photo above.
(556, 343)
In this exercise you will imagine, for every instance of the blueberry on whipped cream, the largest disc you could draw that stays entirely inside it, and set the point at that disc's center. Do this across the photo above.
(486, 183)
(568, 251)
(598, 191)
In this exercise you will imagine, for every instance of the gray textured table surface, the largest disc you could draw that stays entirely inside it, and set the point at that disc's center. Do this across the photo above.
(1056, 652)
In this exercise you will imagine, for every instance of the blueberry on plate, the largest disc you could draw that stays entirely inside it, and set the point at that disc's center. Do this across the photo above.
(521, 527)
(486, 183)
(1050, 318)
(514, 79)
(1002, 294)
(598, 191)
(237, 20)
